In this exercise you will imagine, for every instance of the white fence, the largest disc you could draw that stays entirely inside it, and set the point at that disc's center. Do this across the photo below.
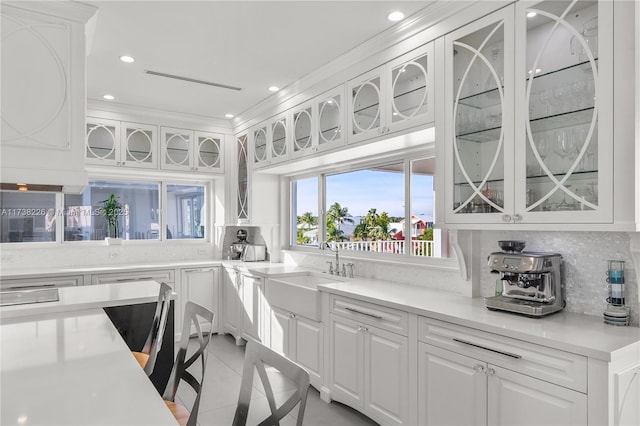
(418, 247)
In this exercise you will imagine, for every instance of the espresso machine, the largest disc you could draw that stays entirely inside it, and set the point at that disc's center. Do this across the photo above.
(530, 283)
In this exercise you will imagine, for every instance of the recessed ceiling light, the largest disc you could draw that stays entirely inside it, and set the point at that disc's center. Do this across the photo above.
(274, 89)
(108, 97)
(395, 16)
(228, 115)
(531, 14)
(127, 59)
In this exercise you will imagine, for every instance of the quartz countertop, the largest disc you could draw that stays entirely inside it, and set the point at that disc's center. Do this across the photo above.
(88, 297)
(581, 334)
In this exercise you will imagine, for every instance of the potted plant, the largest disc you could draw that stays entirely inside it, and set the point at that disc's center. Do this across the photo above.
(111, 210)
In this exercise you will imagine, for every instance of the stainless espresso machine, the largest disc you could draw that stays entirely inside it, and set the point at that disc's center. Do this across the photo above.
(530, 283)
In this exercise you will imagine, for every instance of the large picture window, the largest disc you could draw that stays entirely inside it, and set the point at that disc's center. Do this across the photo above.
(386, 209)
(185, 211)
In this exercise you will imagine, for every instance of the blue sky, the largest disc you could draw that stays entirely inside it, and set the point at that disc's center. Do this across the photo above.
(361, 190)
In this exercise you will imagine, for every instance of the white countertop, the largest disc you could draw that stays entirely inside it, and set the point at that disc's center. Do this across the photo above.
(73, 368)
(581, 334)
(88, 297)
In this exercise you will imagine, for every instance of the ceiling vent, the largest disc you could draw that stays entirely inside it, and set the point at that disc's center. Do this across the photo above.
(192, 80)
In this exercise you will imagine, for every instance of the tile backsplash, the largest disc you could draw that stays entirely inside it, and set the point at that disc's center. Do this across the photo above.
(585, 256)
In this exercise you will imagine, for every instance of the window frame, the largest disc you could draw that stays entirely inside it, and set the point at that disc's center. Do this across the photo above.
(449, 263)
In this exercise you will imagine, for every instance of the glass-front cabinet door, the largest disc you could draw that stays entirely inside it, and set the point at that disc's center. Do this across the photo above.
(102, 142)
(564, 63)
(177, 146)
(303, 138)
(366, 97)
(278, 139)
(242, 145)
(330, 119)
(139, 145)
(479, 123)
(410, 82)
(259, 144)
(208, 152)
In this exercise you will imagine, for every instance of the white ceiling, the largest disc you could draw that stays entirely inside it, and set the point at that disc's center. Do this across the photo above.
(248, 44)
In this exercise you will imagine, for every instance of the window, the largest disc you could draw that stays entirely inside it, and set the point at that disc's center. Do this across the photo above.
(386, 208)
(305, 212)
(27, 216)
(185, 211)
(137, 220)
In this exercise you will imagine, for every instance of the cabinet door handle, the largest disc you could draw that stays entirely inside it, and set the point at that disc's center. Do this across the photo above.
(363, 313)
(506, 218)
(517, 218)
(478, 368)
(200, 270)
(490, 372)
(123, 280)
(464, 342)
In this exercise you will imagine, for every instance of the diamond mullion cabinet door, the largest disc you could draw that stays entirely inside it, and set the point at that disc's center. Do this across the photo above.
(304, 138)
(410, 80)
(563, 110)
(278, 138)
(365, 99)
(452, 388)
(102, 144)
(208, 152)
(177, 149)
(259, 154)
(511, 395)
(331, 112)
(479, 121)
(139, 145)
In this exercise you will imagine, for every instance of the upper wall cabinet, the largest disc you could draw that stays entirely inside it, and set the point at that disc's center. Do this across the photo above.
(115, 143)
(188, 150)
(393, 97)
(270, 141)
(318, 124)
(242, 145)
(43, 68)
(525, 114)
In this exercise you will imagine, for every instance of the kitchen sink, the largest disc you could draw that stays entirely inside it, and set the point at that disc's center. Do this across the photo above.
(298, 294)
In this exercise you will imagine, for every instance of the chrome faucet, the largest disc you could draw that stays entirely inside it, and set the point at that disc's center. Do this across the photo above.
(333, 270)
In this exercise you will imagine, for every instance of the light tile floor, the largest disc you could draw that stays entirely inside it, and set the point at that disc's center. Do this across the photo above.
(222, 385)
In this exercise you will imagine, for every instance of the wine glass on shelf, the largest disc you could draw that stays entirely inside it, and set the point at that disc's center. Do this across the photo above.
(544, 147)
(545, 99)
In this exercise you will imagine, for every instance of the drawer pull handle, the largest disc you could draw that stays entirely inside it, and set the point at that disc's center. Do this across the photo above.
(464, 342)
(123, 280)
(363, 313)
(200, 270)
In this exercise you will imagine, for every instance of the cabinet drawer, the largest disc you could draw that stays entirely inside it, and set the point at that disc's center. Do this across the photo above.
(380, 316)
(544, 363)
(69, 281)
(165, 276)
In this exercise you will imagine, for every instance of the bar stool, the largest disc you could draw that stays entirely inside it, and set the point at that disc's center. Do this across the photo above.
(201, 318)
(256, 356)
(147, 357)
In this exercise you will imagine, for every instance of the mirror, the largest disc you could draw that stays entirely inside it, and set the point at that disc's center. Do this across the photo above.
(208, 151)
(139, 145)
(302, 130)
(177, 147)
(329, 120)
(279, 138)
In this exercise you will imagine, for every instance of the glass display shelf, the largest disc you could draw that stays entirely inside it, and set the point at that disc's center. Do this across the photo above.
(577, 175)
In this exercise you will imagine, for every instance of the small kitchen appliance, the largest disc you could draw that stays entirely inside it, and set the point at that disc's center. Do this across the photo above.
(254, 253)
(238, 246)
(530, 283)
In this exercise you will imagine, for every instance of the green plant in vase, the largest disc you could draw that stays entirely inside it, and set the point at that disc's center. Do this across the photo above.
(111, 210)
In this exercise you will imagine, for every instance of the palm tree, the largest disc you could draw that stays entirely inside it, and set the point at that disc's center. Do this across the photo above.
(381, 229)
(308, 220)
(338, 215)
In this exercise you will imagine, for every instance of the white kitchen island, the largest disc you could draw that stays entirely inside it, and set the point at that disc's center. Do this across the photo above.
(64, 362)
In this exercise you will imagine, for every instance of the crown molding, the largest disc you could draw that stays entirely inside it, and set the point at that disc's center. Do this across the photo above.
(69, 10)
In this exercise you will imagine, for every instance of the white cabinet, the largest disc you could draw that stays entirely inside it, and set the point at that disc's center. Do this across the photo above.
(242, 146)
(190, 150)
(369, 365)
(304, 138)
(299, 339)
(44, 282)
(393, 97)
(254, 324)
(201, 286)
(43, 92)
(270, 141)
(164, 275)
(115, 143)
(232, 303)
(460, 390)
(528, 107)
